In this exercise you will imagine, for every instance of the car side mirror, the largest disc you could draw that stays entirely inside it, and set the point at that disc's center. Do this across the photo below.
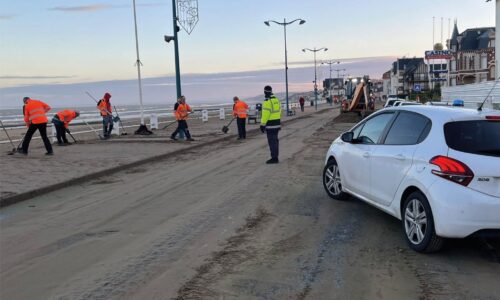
(347, 137)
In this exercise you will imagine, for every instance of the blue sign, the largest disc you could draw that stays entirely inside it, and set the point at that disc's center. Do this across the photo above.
(417, 88)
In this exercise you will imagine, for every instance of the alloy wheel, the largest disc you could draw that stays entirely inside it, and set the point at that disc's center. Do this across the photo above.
(332, 180)
(415, 221)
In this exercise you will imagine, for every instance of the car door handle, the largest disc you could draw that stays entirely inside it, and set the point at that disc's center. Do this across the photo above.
(366, 154)
(400, 157)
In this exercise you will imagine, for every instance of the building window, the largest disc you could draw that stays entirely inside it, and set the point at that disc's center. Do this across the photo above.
(484, 62)
(453, 65)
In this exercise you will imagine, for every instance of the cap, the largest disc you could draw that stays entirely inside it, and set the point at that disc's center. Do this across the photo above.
(268, 89)
(26, 98)
(107, 96)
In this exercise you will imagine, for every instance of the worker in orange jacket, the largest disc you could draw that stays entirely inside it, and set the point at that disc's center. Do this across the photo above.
(61, 123)
(34, 116)
(181, 114)
(104, 107)
(240, 109)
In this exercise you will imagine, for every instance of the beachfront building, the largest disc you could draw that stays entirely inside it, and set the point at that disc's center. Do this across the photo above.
(386, 85)
(407, 75)
(473, 55)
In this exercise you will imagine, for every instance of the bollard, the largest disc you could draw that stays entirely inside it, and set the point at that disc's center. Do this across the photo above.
(53, 133)
(153, 121)
(204, 115)
(222, 114)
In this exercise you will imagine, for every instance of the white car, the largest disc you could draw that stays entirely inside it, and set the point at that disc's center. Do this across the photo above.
(435, 168)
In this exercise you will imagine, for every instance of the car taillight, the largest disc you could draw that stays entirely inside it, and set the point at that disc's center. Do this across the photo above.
(452, 170)
(493, 118)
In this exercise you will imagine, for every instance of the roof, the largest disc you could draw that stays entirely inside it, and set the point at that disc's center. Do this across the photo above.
(454, 36)
(443, 114)
(407, 64)
(475, 38)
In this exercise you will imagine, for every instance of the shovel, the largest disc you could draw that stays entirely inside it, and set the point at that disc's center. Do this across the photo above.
(225, 129)
(69, 132)
(14, 149)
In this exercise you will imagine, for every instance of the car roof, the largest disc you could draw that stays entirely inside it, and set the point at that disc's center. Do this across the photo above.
(446, 113)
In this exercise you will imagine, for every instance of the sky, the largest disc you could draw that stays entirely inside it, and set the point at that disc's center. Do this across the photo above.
(57, 47)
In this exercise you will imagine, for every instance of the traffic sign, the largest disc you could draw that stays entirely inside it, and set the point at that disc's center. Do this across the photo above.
(417, 88)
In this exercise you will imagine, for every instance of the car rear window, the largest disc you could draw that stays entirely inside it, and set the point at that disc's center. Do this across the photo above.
(477, 137)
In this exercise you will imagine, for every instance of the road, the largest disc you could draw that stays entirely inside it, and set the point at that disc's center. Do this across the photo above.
(218, 223)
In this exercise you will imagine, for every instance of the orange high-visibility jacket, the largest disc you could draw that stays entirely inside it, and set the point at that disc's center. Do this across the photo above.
(66, 116)
(182, 112)
(34, 112)
(104, 107)
(240, 109)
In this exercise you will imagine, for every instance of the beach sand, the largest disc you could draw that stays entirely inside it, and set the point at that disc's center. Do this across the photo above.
(22, 174)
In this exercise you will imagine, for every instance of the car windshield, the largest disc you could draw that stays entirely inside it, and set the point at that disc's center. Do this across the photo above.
(478, 137)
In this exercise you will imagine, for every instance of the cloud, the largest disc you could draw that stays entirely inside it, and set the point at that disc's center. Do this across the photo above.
(98, 7)
(84, 8)
(6, 17)
(35, 77)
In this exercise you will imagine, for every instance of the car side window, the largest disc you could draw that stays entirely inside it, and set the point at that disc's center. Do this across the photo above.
(357, 130)
(374, 128)
(408, 129)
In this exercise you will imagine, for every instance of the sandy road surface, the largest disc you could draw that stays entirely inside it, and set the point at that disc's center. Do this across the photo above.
(217, 223)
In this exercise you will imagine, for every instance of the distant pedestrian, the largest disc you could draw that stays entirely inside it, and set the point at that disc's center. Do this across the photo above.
(271, 122)
(34, 116)
(182, 135)
(61, 123)
(104, 107)
(302, 102)
(181, 114)
(240, 109)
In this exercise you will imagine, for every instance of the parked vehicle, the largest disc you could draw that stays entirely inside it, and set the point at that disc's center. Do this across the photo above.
(391, 101)
(435, 168)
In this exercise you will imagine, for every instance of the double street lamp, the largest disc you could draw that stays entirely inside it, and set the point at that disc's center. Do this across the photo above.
(315, 74)
(284, 24)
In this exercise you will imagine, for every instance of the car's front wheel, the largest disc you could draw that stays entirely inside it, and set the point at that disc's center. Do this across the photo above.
(332, 182)
(418, 224)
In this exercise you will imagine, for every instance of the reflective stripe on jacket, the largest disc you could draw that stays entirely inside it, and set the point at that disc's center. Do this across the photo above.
(271, 113)
(34, 112)
(240, 109)
(182, 112)
(66, 116)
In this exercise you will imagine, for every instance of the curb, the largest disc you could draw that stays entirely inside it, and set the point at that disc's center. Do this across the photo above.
(4, 202)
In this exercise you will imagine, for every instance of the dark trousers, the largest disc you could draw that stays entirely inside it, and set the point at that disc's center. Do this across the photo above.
(61, 134)
(274, 143)
(301, 106)
(182, 126)
(242, 132)
(107, 125)
(42, 128)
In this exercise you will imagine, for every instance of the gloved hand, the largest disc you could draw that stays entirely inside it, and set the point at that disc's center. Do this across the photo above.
(67, 130)
(262, 128)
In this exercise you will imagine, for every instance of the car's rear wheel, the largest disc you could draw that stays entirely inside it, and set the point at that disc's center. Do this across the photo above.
(418, 224)
(332, 182)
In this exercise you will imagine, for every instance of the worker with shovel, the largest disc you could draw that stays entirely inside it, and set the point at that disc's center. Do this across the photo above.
(181, 114)
(61, 123)
(34, 116)
(240, 109)
(104, 107)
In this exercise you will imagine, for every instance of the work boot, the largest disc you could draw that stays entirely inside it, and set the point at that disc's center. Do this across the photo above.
(190, 139)
(49, 153)
(68, 143)
(272, 161)
(61, 144)
(20, 151)
(173, 138)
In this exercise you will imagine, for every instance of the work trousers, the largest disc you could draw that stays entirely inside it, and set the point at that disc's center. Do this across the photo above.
(302, 107)
(241, 122)
(42, 128)
(61, 134)
(107, 125)
(274, 143)
(182, 126)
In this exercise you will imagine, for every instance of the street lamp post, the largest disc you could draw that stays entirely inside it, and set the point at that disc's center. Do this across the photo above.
(284, 24)
(315, 74)
(338, 76)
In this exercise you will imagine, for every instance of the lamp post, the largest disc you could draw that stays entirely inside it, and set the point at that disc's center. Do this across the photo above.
(284, 24)
(315, 74)
(174, 38)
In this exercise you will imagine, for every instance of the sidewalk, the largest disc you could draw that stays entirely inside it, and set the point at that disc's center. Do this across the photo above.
(23, 177)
